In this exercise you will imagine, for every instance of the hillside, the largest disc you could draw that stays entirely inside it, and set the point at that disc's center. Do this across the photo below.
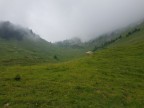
(101, 41)
(111, 78)
(20, 46)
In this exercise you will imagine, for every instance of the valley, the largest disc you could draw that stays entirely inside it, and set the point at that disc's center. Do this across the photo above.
(59, 77)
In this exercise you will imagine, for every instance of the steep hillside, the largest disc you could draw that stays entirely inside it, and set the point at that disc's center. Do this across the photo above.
(103, 40)
(111, 78)
(109, 38)
(20, 45)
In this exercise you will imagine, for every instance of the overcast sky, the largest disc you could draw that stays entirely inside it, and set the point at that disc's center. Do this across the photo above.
(56, 20)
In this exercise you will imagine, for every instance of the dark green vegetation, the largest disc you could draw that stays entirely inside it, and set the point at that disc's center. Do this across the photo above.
(111, 78)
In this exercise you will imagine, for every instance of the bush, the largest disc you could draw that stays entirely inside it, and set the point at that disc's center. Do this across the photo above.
(55, 57)
(17, 77)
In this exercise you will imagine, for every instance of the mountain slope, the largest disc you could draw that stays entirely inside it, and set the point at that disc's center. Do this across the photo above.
(111, 78)
(21, 46)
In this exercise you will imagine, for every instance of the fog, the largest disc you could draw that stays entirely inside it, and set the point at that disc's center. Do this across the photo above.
(56, 20)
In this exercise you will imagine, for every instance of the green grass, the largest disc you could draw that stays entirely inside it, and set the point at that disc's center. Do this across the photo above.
(111, 78)
(27, 52)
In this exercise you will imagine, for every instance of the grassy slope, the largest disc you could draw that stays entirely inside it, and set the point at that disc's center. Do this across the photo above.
(30, 52)
(111, 78)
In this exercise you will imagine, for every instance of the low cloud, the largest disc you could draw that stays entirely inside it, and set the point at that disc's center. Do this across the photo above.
(57, 20)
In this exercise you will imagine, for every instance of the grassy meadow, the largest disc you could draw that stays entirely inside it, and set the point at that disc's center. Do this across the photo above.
(110, 78)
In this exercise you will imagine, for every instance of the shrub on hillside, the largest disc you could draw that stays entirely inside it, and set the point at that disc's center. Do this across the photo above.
(17, 77)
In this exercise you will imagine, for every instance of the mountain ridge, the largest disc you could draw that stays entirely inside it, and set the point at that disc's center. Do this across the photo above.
(19, 45)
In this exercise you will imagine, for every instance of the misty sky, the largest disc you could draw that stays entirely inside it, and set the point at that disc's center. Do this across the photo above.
(56, 20)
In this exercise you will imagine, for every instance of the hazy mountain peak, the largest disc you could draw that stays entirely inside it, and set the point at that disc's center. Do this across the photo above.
(11, 31)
